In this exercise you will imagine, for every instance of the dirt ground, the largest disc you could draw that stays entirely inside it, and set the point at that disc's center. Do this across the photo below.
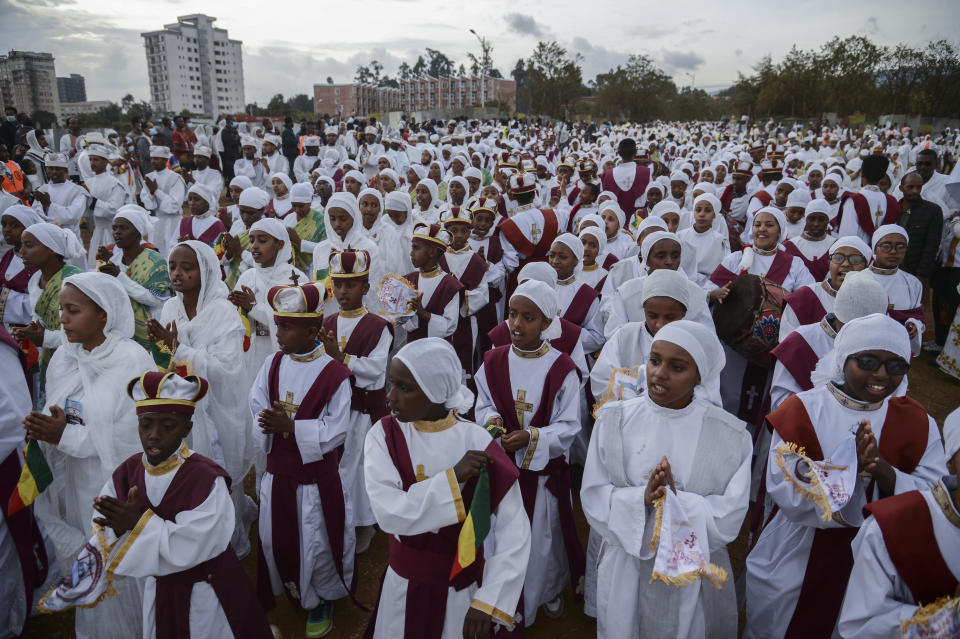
(937, 391)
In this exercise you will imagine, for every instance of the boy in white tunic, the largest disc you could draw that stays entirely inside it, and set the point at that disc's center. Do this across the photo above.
(163, 194)
(675, 437)
(423, 468)
(301, 403)
(361, 341)
(798, 570)
(436, 309)
(106, 197)
(61, 201)
(908, 555)
(904, 290)
(167, 515)
(530, 392)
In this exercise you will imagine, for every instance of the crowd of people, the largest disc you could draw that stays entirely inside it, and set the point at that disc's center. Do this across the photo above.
(456, 334)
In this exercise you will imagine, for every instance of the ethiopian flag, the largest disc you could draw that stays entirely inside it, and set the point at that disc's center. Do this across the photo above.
(475, 527)
(247, 329)
(35, 476)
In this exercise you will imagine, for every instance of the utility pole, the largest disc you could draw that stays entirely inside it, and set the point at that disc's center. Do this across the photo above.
(483, 68)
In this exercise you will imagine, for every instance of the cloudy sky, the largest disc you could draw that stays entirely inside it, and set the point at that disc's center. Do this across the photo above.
(288, 46)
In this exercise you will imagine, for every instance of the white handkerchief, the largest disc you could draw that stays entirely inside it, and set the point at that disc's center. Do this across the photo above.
(829, 484)
(939, 620)
(394, 294)
(682, 553)
(89, 582)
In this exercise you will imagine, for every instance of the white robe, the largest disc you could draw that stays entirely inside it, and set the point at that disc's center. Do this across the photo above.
(110, 196)
(709, 452)
(592, 334)
(435, 503)
(440, 324)
(878, 599)
(711, 246)
(263, 338)
(777, 564)
(253, 170)
(828, 298)
(530, 222)
(850, 223)
(167, 205)
(17, 309)
(547, 571)
(161, 547)
(315, 438)
(820, 338)
(370, 373)
(210, 178)
(68, 203)
(89, 450)
(904, 291)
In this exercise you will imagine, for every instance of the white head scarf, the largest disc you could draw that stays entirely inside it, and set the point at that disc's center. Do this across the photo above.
(611, 205)
(23, 214)
(59, 240)
(872, 332)
(860, 295)
(106, 292)
(854, 242)
(242, 181)
(539, 271)
(705, 349)
(601, 238)
(137, 216)
(665, 283)
(204, 192)
(377, 223)
(283, 177)
(254, 197)
(212, 287)
(432, 187)
(462, 181)
(718, 225)
(884, 231)
(346, 201)
(655, 237)
(275, 228)
(436, 367)
(545, 298)
(572, 242)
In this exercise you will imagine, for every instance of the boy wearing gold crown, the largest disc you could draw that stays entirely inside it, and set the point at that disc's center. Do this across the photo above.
(436, 309)
(166, 517)
(361, 341)
(301, 404)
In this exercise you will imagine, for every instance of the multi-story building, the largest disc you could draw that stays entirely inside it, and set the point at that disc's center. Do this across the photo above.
(28, 81)
(70, 109)
(416, 94)
(72, 89)
(194, 66)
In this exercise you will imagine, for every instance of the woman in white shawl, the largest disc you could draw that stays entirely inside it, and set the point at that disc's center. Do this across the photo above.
(370, 202)
(708, 236)
(280, 202)
(89, 429)
(344, 226)
(38, 148)
(250, 292)
(205, 333)
(427, 201)
(398, 226)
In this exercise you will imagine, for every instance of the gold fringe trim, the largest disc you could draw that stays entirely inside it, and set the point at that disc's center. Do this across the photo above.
(815, 492)
(110, 591)
(655, 539)
(710, 572)
(922, 616)
(608, 394)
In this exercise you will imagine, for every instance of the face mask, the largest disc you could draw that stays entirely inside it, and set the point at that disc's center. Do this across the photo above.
(11, 118)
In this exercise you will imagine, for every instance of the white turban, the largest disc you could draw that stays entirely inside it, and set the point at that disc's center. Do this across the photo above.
(283, 177)
(816, 206)
(137, 216)
(301, 193)
(860, 295)
(854, 242)
(705, 349)
(397, 201)
(779, 217)
(545, 298)
(59, 240)
(242, 181)
(356, 175)
(611, 205)
(108, 293)
(275, 228)
(254, 197)
(663, 207)
(666, 283)
(651, 222)
(872, 332)
(436, 368)
(204, 192)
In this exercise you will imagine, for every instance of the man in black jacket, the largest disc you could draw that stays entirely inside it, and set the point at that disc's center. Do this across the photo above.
(230, 138)
(923, 221)
(291, 144)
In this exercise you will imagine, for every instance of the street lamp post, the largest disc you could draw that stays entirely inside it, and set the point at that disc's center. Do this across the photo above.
(483, 68)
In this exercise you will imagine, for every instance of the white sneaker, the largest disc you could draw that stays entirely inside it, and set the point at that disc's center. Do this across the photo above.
(931, 346)
(554, 608)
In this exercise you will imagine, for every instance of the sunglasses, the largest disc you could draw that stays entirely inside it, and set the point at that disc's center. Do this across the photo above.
(855, 260)
(870, 363)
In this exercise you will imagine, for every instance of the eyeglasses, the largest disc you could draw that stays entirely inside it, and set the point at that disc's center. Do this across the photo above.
(854, 260)
(870, 363)
(890, 246)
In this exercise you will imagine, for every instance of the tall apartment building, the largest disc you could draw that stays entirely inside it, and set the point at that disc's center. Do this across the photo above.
(28, 81)
(416, 94)
(194, 66)
(72, 89)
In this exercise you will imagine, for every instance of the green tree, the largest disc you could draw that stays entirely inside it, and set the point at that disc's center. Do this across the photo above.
(438, 65)
(554, 78)
(300, 102)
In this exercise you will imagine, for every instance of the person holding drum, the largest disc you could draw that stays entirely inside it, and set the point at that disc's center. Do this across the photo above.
(747, 373)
